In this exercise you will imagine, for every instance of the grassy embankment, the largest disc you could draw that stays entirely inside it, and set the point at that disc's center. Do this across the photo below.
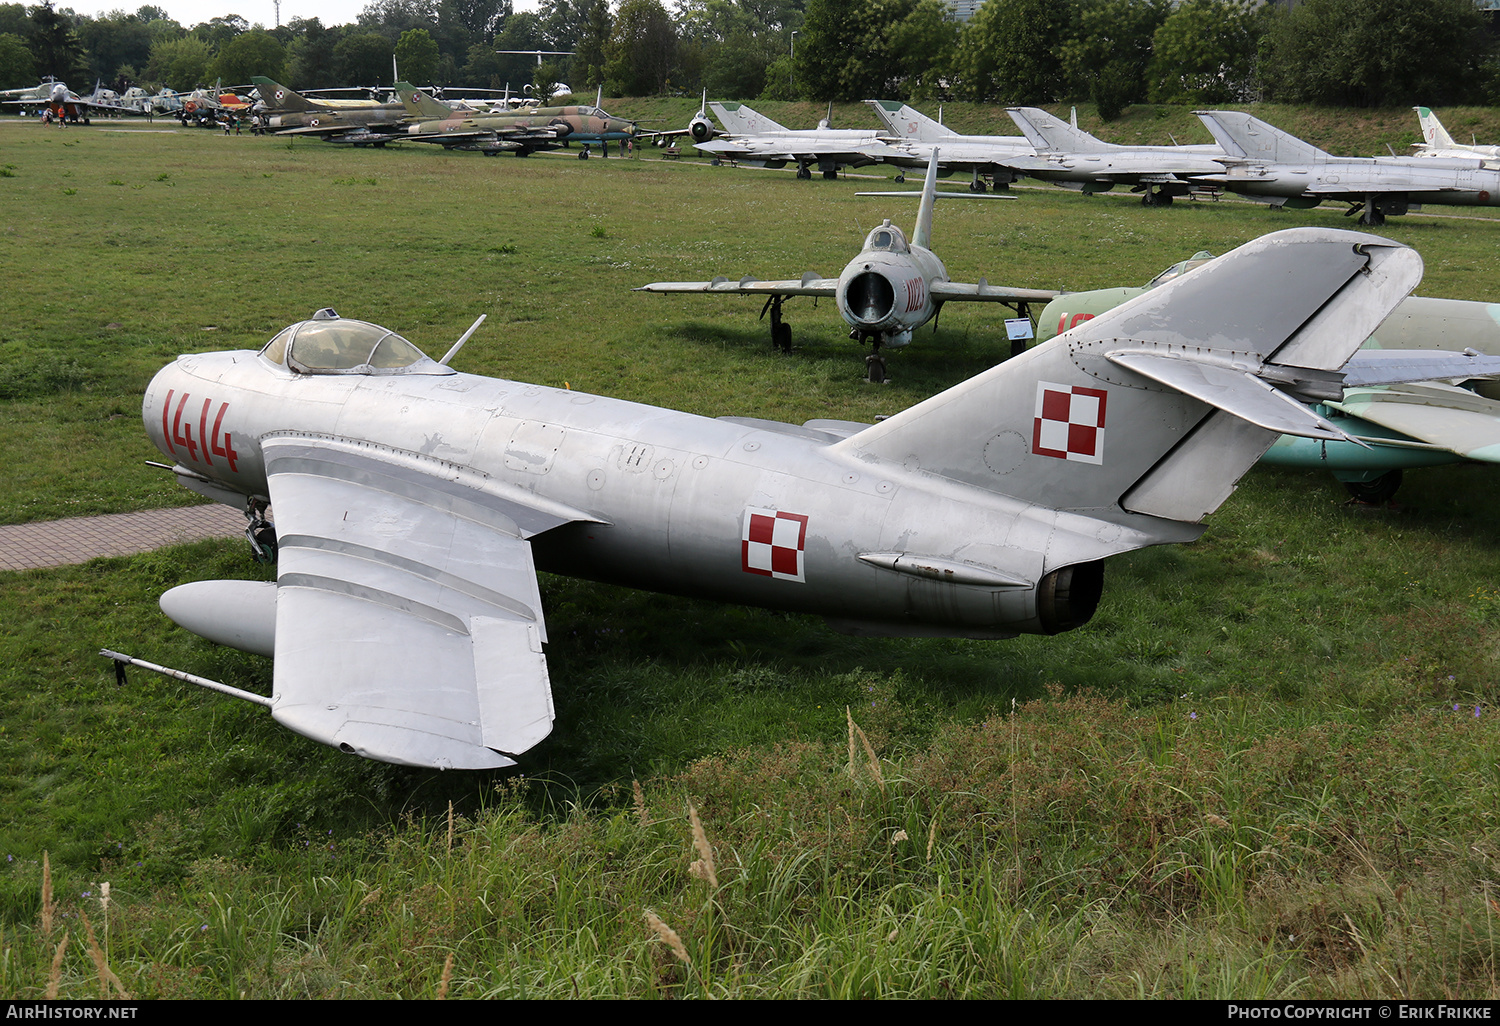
(1246, 777)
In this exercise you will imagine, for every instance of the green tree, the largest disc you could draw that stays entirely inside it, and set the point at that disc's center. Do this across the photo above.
(16, 66)
(862, 49)
(417, 56)
(1204, 53)
(256, 52)
(1011, 51)
(310, 63)
(179, 63)
(363, 58)
(55, 46)
(641, 51)
(1372, 53)
(1108, 57)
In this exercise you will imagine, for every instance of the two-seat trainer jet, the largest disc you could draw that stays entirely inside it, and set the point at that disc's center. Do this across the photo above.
(414, 504)
(890, 289)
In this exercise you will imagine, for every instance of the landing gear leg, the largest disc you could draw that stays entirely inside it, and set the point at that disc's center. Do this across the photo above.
(1373, 216)
(261, 533)
(781, 332)
(900, 178)
(1375, 492)
(803, 174)
(874, 363)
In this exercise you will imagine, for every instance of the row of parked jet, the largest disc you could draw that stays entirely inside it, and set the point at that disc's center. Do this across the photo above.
(1248, 156)
(64, 104)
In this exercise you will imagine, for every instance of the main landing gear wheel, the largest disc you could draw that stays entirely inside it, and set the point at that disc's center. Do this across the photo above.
(831, 176)
(781, 332)
(260, 532)
(1156, 199)
(900, 179)
(1376, 492)
(977, 185)
(803, 174)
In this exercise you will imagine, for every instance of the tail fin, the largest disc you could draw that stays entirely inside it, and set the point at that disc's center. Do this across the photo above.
(909, 124)
(1047, 133)
(278, 97)
(1159, 406)
(1248, 137)
(1433, 131)
(419, 105)
(739, 119)
(922, 234)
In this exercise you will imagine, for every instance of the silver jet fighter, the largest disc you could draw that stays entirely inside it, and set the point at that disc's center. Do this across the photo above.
(891, 288)
(415, 504)
(1075, 159)
(753, 138)
(918, 135)
(1266, 162)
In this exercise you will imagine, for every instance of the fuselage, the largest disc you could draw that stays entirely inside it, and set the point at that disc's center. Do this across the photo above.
(751, 512)
(887, 290)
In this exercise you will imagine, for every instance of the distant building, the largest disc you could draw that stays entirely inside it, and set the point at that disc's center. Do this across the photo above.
(963, 10)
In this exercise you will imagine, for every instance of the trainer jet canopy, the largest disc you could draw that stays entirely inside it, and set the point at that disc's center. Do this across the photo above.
(891, 288)
(414, 509)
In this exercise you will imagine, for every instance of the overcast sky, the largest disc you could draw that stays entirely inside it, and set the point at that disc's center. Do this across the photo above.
(193, 12)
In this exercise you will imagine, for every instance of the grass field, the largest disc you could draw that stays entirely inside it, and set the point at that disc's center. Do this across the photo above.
(1266, 768)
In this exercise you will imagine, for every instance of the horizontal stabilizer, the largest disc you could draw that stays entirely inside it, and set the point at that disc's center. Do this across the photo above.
(1232, 391)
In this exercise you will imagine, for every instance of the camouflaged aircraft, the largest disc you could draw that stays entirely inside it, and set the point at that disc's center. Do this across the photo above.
(521, 132)
(360, 123)
(891, 288)
(1401, 409)
(414, 505)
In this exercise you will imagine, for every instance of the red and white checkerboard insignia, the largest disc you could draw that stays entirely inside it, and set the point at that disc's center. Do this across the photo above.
(772, 543)
(1069, 422)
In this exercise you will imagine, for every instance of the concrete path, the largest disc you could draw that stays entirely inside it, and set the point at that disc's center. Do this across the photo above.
(79, 539)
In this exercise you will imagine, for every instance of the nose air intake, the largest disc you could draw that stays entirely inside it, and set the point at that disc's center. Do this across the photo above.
(871, 298)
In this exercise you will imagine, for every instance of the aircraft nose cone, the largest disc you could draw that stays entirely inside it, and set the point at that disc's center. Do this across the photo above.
(870, 298)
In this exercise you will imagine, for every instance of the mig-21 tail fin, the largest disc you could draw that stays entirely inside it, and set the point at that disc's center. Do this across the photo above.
(908, 123)
(1250, 138)
(1159, 406)
(1433, 132)
(1053, 135)
(739, 119)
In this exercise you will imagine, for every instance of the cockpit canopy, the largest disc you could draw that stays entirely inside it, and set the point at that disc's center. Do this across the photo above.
(329, 344)
(888, 238)
(1180, 268)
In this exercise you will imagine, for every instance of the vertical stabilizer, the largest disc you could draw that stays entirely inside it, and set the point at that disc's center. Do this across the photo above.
(908, 123)
(1250, 138)
(739, 119)
(1433, 132)
(1160, 405)
(922, 234)
(1047, 134)
(276, 96)
(419, 105)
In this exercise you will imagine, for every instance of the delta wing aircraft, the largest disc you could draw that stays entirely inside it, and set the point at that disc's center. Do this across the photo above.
(1402, 404)
(1438, 143)
(752, 138)
(890, 289)
(1266, 162)
(918, 135)
(1071, 157)
(414, 504)
(288, 112)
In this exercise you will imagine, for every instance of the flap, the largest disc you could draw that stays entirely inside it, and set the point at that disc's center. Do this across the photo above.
(408, 620)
